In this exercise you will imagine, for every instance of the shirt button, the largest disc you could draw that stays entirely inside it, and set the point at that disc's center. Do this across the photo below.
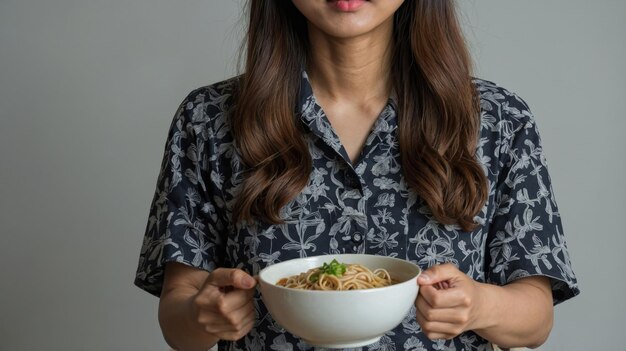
(357, 237)
(352, 182)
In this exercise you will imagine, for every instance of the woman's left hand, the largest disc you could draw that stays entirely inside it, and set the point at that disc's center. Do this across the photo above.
(449, 302)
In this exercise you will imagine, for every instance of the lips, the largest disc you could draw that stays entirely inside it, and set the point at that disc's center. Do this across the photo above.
(347, 5)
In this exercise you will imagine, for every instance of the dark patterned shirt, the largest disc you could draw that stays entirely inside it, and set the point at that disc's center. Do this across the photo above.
(366, 207)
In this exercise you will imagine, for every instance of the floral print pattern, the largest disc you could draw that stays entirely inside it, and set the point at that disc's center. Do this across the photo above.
(365, 207)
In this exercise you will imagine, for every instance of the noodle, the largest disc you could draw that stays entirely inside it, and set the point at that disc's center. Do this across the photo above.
(355, 277)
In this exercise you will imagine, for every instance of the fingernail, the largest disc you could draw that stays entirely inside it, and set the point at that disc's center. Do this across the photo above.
(423, 277)
(248, 281)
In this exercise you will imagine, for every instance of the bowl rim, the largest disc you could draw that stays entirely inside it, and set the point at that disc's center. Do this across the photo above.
(359, 291)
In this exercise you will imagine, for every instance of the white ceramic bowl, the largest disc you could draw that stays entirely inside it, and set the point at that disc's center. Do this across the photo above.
(340, 319)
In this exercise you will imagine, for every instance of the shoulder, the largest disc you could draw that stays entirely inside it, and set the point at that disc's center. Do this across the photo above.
(205, 110)
(209, 103)
(502, 111)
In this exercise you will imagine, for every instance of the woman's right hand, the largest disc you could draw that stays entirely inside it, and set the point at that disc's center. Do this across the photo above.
(224, 306)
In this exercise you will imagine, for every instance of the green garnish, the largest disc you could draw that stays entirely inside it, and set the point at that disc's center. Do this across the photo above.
(334, 267)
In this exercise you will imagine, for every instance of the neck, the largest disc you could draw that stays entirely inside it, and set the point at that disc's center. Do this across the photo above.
(355, 69)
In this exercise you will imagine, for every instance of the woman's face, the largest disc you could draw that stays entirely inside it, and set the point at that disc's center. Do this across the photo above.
(347, 18)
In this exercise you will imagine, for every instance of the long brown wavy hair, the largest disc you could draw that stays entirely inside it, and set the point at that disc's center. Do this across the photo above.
(438, 113)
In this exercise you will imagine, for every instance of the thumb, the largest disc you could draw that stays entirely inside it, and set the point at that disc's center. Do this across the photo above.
(223, 277)
(438, 273)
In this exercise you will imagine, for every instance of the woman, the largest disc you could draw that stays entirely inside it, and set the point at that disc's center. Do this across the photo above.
(356, 127)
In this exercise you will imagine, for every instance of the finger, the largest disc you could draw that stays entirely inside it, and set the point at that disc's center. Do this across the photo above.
(439, 336)
(445, 298)
(437, 330)
(248, 322)
(430, 294)
(210, 299)
(236, 318)
(226, 303)
(442, 285)
(438, 273)
(207, 297)
(236, 334)
(233, 331)
(236, 278)
(446, 315)
(233, 320)
(421, 305)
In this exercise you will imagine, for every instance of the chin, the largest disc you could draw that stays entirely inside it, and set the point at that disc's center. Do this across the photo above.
(347, 18)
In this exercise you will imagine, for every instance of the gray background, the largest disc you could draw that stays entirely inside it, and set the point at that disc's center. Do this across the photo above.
(88, 89)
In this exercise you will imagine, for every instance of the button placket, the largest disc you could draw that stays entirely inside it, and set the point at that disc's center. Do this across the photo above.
(351, 182)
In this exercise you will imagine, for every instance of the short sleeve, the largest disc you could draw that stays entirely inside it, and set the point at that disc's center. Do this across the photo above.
(183, 224)
(526, 235)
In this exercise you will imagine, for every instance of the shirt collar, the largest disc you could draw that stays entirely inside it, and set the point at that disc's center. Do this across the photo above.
(306, 98)
(312, 115)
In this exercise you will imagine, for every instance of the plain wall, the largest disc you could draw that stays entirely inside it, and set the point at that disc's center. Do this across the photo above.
(88, 89)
